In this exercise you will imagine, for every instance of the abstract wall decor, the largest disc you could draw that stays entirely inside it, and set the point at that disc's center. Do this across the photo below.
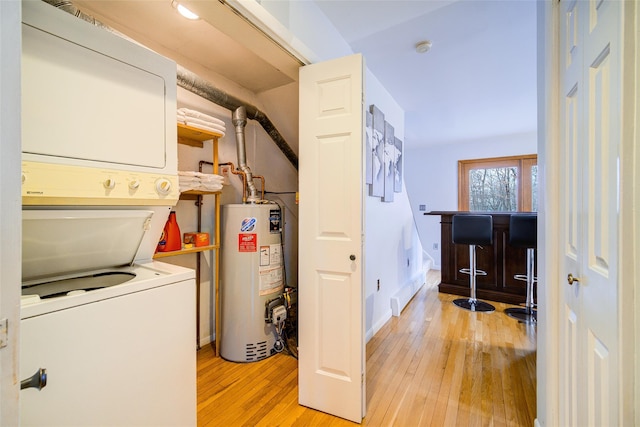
(377, 146)
(368, 154)
(397, 186)
(389, 162)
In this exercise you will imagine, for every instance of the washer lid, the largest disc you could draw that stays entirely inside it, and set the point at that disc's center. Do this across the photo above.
(57, 242)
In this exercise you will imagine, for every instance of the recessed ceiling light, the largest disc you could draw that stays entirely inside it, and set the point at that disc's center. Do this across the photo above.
(184, 11)
(423, 46)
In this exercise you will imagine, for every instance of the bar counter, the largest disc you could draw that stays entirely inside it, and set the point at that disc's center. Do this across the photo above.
(500, 260)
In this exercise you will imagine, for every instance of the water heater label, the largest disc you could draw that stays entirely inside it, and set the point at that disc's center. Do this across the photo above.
(265, 256)
(271, 281)
(248, 224)
(270, 256)
(247, 242)
(274, 220)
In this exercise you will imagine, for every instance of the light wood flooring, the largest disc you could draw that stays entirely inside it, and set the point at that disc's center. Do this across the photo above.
(435, 365)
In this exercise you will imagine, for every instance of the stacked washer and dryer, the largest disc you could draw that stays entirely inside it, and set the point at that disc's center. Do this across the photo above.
(106, 332)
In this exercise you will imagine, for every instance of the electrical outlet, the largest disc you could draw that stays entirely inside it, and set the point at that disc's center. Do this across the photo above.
(422, 208)
(378, 284)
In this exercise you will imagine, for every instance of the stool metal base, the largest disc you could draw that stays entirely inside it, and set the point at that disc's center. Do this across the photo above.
(524, 315)
(474, 305)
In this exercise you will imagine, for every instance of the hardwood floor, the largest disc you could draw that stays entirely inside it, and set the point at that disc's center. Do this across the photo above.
(435, 365)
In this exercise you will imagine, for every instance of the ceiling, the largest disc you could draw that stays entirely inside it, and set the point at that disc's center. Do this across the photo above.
(478, 81)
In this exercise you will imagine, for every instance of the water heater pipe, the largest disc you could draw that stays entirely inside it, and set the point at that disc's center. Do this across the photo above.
(239, 120)
(197, 85)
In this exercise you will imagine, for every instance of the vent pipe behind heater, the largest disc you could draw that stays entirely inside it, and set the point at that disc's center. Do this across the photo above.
(239, 120)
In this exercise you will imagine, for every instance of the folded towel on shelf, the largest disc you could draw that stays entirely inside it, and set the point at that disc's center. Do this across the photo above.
(190, 180)
(198, 115)
(181, 117)
(210, 187)
(204, 122)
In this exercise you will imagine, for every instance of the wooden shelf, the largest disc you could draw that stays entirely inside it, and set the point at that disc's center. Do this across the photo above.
(186, 251)
(193, 194)
(195, 137)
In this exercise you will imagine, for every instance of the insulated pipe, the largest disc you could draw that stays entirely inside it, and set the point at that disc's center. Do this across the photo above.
(191, 82)
(197, 85)
(239, 120)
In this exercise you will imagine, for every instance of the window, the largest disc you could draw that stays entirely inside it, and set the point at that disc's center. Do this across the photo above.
(501, 184)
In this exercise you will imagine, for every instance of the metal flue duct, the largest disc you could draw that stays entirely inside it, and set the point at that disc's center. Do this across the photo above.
(239, 120)
(197, 85)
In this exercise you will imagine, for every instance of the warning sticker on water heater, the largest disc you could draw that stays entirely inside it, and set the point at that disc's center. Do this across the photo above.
(270, 269)
(271, 281)
(247, 242)
(270, 256)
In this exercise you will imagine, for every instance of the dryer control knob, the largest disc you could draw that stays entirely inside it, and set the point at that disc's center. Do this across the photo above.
(134, 184)
(163, 186)
(109, 183)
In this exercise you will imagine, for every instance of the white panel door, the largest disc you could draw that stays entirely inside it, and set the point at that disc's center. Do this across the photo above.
(590, 78)
(331, 293)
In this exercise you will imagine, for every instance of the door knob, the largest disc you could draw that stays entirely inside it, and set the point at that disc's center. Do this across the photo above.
(571, 279)
(352, 257)
(37, 380)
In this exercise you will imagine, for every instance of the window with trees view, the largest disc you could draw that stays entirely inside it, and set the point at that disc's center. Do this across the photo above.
(501, 184)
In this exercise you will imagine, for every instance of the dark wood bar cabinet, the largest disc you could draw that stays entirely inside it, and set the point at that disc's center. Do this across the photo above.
(500, 260)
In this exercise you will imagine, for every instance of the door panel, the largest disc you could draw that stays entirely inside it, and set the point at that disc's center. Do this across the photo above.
(591, 66)
(331, 294)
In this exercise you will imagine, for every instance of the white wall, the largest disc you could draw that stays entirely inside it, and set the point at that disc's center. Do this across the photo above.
(313, 34)
(432, 177)
(393, 252)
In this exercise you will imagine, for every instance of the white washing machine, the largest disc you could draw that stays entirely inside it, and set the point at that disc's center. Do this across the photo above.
(114, 338)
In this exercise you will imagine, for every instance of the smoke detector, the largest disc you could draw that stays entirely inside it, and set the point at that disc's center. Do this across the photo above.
(423, 46)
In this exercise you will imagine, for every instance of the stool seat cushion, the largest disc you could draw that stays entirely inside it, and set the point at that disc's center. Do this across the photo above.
(472, 229)
(523, 230)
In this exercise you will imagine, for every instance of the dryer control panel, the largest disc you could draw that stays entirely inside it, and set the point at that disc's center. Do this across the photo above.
(57, 184)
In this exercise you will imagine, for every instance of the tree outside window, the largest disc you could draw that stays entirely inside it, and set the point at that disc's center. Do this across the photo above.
(503, 184)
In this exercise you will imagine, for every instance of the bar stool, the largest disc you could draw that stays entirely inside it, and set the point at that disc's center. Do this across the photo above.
(473, 230)
(523, 233)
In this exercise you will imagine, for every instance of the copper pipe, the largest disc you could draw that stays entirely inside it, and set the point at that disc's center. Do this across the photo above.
(244, 179)
(261, 178)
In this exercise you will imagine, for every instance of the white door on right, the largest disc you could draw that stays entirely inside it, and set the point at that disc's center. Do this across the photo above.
(590, 121)
(331, 365)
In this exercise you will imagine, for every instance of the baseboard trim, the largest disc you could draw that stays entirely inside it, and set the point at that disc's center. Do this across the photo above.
(377, 326)
(401, 298)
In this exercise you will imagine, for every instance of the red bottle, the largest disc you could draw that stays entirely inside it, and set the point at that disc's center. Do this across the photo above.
(170, 239)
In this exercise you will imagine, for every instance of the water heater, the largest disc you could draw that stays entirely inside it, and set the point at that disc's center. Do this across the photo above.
(251, 276)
